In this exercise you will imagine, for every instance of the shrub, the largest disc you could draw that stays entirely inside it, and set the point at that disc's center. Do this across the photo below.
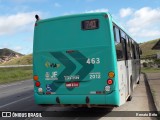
(144, 64)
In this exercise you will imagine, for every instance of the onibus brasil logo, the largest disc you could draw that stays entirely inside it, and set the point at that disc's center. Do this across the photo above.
(52, 65)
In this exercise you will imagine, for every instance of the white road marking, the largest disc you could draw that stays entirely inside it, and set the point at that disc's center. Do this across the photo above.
(12, 84)
(2, 86)
(18, 90)
(16, 101)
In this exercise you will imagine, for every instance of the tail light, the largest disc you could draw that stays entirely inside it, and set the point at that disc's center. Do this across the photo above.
(35, 77)
(37, 84)
(111, 74)
(109, 81)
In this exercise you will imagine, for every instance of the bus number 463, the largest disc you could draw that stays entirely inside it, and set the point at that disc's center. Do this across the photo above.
(93, 61)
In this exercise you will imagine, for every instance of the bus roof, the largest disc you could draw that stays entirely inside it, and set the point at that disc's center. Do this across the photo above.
(86, 14)
(72, 16)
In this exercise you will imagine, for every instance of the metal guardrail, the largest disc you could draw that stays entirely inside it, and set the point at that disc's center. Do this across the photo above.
(14, 66)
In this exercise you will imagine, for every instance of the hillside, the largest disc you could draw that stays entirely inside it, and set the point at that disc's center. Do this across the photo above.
(146, 48)
(8, 52)
(23, 60)
(7, 55)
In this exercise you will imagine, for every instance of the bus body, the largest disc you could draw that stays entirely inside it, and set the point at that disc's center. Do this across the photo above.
(83, 60)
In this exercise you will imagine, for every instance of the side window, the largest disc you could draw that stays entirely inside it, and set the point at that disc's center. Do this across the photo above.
(137, 52)
(133, 50)
(128, 47)
(116, 34)
(118, 44)
(123, 35)
(124, 44)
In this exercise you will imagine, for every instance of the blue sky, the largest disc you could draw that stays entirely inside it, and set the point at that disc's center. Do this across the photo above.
(141, 18)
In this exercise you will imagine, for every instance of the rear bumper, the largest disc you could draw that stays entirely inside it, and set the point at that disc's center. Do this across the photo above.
(110, 99)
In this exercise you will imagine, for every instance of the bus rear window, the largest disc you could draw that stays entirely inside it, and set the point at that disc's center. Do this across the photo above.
(90, 24)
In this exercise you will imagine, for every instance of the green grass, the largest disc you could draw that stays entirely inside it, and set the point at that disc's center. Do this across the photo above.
(8, 75)
(146, 48)
(150, 70)
(24, 60)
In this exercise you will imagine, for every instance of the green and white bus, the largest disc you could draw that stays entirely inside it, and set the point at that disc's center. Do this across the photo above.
(84, 60)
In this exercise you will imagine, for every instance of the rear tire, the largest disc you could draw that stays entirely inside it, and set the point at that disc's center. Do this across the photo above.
(130, 97)
(131, 89)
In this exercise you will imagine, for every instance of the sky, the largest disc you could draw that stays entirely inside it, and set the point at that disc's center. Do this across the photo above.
(141, 18)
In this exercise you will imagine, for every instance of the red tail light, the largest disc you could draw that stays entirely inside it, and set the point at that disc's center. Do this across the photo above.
(37, 84)
(109, 81)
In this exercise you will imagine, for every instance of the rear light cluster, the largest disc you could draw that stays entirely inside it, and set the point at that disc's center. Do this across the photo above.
(110, 75)
(109, 81)
(37, 83)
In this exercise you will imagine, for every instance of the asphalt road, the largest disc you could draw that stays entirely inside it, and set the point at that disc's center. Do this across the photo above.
(19, 97)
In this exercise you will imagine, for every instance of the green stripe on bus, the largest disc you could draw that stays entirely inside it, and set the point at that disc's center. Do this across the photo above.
(69, 65)
(86, 68)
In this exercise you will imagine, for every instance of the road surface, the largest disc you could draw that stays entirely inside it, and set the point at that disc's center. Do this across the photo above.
(19, 97)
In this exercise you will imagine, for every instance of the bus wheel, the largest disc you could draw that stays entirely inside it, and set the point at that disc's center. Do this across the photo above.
(131, 89)
(138, 80)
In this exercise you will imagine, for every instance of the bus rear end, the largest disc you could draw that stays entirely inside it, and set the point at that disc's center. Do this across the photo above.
(74, 61)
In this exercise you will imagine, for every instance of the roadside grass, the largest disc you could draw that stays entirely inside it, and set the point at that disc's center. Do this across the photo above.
(150, 70)
(8, 75)
(146, 48)
(23, 60)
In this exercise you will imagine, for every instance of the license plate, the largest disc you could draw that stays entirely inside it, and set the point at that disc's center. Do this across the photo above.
(72, 84)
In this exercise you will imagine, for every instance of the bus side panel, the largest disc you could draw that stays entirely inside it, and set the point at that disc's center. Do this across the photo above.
(116, 94)
(122, 78)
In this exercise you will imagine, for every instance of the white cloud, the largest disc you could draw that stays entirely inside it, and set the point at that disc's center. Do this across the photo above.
(57, 5)
(124, 12)
(144, 23)
(145, 17)
(87, 11)
(10, 24)
(18, 48)
(97, 10)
